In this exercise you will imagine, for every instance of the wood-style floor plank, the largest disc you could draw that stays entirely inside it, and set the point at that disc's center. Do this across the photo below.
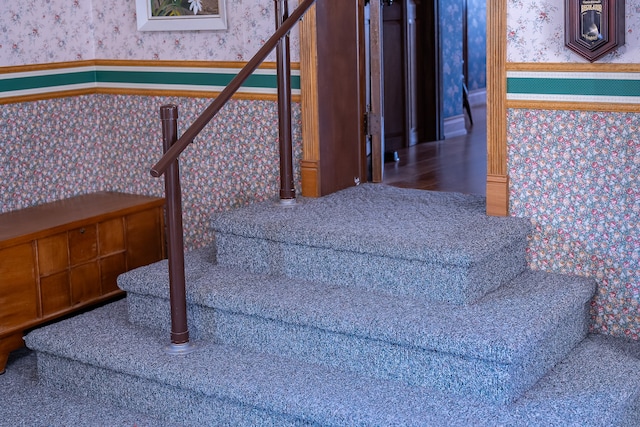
(456, 164)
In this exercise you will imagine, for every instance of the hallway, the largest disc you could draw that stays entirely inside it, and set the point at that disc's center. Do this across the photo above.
(456, 164)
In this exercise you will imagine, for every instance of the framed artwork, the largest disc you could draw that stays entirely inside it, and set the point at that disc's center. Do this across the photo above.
(181, 15)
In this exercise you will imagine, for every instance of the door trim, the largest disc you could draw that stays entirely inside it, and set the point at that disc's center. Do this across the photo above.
(497, 174)
(310, 166)
(377, 93)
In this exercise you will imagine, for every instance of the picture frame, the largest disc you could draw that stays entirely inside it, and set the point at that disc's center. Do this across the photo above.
(147, 20)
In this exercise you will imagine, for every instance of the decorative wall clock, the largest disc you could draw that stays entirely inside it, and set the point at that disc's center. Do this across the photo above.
(594, 28)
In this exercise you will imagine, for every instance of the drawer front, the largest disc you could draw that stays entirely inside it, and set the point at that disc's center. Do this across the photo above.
(85, 283)
(18, 287)
(53, 254)
(110, 268)
(83, 244)
(144, 238)
(111, 236)
(55, 293)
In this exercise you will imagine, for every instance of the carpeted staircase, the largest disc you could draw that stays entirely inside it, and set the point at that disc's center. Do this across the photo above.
(375, 306)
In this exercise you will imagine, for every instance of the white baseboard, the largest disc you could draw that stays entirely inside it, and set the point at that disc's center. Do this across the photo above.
(454, 126)
(478, 97)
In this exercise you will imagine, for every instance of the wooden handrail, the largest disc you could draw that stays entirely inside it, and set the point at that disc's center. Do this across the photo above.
(207, 115)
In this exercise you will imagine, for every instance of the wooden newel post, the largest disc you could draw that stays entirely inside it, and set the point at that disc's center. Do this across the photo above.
(283, 61)
(179, 328)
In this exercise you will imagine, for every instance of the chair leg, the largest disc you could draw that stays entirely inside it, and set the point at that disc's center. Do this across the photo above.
(465, 102)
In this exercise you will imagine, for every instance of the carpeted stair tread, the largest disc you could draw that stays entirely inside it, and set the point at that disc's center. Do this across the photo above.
(104, 339)
(25, 401)
(503, 326)
(374, 306)
(440, 246)
(594, 386)
(381, 220)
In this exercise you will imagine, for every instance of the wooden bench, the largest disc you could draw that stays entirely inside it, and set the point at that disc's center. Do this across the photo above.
(61, 257)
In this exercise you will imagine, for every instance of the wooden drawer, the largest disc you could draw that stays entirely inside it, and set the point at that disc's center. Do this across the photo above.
(53, 254)
(63, 256)
(18, 286)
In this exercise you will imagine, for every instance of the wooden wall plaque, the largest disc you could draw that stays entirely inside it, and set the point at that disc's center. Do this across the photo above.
(594, 28)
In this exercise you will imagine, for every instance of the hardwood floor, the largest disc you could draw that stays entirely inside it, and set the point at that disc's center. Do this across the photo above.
(456, 164)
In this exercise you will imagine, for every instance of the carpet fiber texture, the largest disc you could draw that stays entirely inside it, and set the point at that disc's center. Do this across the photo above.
(437, 246)
(375, 306)
(115, 364)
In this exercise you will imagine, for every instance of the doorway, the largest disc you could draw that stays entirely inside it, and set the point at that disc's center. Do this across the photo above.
(403, 77)
(425, 71)
(497, 179)
(411, 74)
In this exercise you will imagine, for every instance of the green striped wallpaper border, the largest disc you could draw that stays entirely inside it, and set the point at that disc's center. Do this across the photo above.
(188, 79)
(580, 87)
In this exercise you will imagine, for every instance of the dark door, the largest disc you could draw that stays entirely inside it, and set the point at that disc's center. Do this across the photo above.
(394, 77)
(411, 77)
(341, 96)
(428, 96)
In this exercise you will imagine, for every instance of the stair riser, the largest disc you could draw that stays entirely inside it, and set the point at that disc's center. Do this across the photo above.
(153, 312)
(632, 415)
(174, 406)
(433, 281)
(487, 380)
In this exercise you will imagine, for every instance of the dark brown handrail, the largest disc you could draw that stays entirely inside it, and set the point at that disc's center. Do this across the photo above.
(207, 115)
(283, 60)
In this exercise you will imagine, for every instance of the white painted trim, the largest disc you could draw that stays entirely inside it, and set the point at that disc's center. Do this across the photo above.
(574, 75)
(48, 72)
(168, 69)
(195, 88)
(50, 89)
(592, 99)
(173, 69)
(454, 126)
(478, 97)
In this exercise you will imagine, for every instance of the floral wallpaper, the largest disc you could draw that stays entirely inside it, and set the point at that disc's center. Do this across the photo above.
(535, 33)
(249, 24)
(451, 53)
(451, 12)
(64, 147)
(44, 31)
(477, 44)
(48, 152)
(576, 175)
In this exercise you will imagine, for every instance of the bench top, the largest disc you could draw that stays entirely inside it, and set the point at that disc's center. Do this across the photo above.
(48, 218)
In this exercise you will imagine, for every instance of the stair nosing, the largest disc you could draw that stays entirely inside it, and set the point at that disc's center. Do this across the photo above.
(501, 349)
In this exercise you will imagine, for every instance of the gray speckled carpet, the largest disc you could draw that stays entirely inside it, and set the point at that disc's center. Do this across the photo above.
(25, 402)
(375, 306)
(590, 388)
